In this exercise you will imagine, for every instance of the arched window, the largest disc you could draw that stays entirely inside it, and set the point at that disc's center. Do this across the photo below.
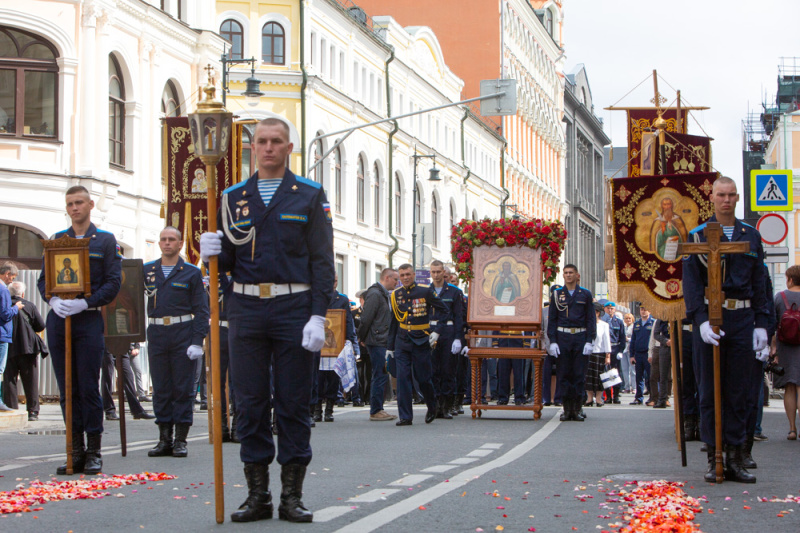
(273, 39)
(376, 204)
(116, 113)
(435, 221)
(232, 31)
(170, 101)
(360, 186)
(398, 205)
(28, 85)
(337, 184)
(548, 21)
(248, 152)
(452, 217)
(21, 246)
(316, 154)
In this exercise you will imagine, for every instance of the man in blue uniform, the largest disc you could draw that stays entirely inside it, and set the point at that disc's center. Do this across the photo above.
(105, 272)
(414, 307)
(462, 363)
(616, 329)
(691, 424)
(177, 310)
(278, 246)
(743, 331)
(229, 400)
(571, 329)
(444, 355)
(639, 351)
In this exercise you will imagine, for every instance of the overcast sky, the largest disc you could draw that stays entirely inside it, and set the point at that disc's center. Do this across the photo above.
(723, 54)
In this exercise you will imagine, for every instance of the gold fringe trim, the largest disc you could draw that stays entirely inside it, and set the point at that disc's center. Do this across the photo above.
(658, 308)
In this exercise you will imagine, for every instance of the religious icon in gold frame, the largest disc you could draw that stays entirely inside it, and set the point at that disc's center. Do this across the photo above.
(335, 332)
(66, 263)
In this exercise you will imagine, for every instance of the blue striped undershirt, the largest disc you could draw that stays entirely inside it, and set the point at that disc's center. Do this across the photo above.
(167, 270)
(728, 231)
(267, 188)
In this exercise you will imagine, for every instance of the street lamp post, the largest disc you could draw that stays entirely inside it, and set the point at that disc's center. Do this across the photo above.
(210, 126)
(434, 176)
(252, 92)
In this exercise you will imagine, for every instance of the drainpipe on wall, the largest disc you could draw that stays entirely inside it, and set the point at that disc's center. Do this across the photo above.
(464, 160)
(503, 179)
(303, 167)
(390, 173)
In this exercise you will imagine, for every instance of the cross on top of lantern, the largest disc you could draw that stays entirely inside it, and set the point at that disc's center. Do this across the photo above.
(210, 125)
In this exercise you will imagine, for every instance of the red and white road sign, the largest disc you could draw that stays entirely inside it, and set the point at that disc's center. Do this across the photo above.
(773, 228)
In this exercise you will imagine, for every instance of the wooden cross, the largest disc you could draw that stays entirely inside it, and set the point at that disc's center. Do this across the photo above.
(714, 249)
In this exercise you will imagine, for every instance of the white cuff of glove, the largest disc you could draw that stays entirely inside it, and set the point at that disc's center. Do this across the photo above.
(554, 350)
(433, 338)
(708, 335)
(76, 306)
(210, 245)
(619, 356)
(314, 333)
(389, 354)
(194, 352)
(456, 348)
(59, 306)
(759, 339)
(465, 351)
(588, 348)
(763, 354)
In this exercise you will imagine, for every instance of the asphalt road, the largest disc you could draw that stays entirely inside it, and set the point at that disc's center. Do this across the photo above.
(503, 470)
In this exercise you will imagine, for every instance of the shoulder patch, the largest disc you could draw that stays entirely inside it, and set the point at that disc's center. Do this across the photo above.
(698, 229)
(188, 264)
(104, 231)
(306, 181)
(235, 186)
(746, 224)
(342, 295)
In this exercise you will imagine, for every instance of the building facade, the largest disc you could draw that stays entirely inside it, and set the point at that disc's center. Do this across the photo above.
(585, 190)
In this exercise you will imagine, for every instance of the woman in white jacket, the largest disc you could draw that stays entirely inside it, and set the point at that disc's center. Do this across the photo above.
(598, 360)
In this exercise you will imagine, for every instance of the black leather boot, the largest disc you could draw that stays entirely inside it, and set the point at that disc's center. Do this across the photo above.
(94, 459)
(234, 433)
(734, 471)
(179, 448)
(226, 432)
(567, 414)
(258, 505)
(164, 446)
(690, 427)
(458, 403)
(328, 411)
(291, 507)
(711, 471)
(311, 409)
(318, 411)
(444, 408)
(747, 454)
(78, 455)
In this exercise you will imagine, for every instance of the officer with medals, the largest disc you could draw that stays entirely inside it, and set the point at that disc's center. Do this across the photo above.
(414, 307)
(88, 346)
(445, 353)
(277, 243)
(616, 329)
(177, 310)
(743, 332)
(571, 329)
(640, 351)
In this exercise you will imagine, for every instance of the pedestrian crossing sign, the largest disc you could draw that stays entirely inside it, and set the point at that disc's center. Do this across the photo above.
(771, 190)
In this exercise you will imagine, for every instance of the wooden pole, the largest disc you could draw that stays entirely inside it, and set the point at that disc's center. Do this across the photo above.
(121, 395)
(680, 118)
(68, 388)
(718, 410)
(213, 289)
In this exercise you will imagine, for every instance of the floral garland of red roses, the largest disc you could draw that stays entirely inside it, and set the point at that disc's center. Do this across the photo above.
(548, 235)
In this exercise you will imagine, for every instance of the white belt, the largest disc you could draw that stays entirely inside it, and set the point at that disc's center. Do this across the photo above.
(223, 323)
(572, 330)
(93, 308)
(170, 320)
(731, 304)
(435, 322)
(269, 290)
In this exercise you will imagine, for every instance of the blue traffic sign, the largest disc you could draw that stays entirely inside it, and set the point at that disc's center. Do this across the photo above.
(771, 190)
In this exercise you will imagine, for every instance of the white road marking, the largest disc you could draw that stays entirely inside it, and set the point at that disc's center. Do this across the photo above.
(388, 514)
(11, 467)
(463, 460)
(329, 513)
(410, 481)
(479, 453)
(438, 469)
(493, 445)
(372, 496)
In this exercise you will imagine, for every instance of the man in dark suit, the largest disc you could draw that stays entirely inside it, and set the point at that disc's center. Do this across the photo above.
(23, 353)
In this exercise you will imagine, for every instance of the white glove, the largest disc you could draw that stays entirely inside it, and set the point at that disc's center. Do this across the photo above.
(314, 333)
(465, 351)
(588, 348)
(78, 305)
(433, 338)
(210, 244)
(708, 335)
(619, 356)
(456, 347)
(763, 355)
(554, 350)
(59, 306)
(389, 354)
(194, 352)
(759, 339)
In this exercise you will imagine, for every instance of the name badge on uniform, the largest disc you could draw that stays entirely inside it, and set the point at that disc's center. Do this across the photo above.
(241, 223)
(180, 285)
(96, 255)
(294, 218)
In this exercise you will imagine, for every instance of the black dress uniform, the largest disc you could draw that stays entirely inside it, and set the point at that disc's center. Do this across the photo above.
(177, 311)
(280, 257)
(229, 400)
(745, 308)
(442, 358)
(639, 350)
(571, 324)
(88, 346)
(413, 309)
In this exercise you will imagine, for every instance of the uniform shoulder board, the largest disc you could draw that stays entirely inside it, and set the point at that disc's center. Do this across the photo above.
(236, 186)
(306, 181)
(104, 231)
(746, 224)
(342, 295)
(698, 229)
(454, 286)
(153, 262)
(191, 265)
(422, 285)
(58, 234)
